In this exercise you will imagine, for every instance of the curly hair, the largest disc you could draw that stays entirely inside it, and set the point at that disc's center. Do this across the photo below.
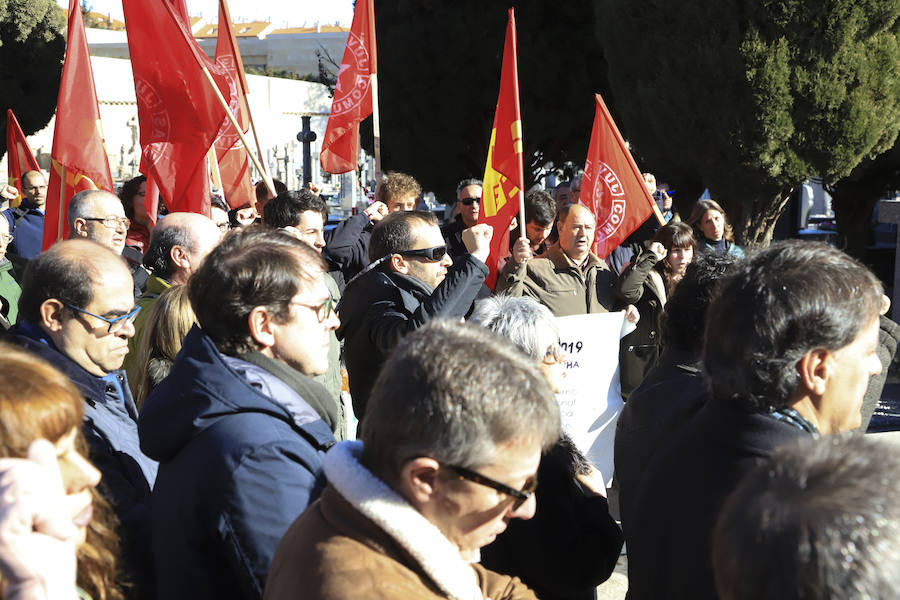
(395, 185)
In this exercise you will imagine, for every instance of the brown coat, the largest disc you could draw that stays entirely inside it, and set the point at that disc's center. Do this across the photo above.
(334, 552)
(559, 284)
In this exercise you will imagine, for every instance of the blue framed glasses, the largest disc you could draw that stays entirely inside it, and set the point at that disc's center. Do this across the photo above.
(116, 323)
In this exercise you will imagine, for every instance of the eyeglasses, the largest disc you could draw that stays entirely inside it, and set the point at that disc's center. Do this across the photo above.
(111, 221)
(224, 227)
(554, 355)
(116, 323)
(433, 254)
(521, 496)
(470, 201)
(322, 310)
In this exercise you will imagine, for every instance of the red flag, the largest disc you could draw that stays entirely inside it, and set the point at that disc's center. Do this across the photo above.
(78, 158)
(19, 157)
(504, 175)
(231, 156)
(178, 112)
(612, 186)
(353, 95)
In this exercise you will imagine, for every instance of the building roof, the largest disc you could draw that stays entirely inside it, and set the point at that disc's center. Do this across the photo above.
(95, 18)
(249, 29)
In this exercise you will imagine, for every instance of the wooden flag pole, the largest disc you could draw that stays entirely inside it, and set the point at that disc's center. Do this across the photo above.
(237, 128)
(267, 174)
(214, 173)
(62, 199)
(376, 127)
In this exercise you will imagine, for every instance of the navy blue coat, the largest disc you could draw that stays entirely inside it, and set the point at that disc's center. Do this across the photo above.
(236, 469)
(29, 231)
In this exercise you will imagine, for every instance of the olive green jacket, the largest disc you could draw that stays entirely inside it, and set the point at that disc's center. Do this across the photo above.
(558, 283)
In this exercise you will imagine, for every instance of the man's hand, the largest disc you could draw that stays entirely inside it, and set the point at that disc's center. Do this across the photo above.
(377, 211)
(312, 187)
(521, 252)
(8, 192)
(631, 314)
(659, 250)
(478, 240)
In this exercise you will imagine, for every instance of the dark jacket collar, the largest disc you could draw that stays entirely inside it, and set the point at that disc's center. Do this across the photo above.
(312, 392)
(32, 338)
(201, 389)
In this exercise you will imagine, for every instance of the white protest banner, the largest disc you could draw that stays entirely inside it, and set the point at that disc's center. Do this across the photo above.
(591, 399)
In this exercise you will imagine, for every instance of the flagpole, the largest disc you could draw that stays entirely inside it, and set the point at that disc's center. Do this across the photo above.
(237, 128)
(62, 199)
(376, 127)
(214, 173)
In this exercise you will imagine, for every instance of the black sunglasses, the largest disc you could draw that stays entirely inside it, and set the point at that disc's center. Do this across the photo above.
(521, 496)
(470, 201)
(433, 254)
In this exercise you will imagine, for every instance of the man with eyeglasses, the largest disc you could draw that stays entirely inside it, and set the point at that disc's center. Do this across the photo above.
(410, 281)
(239, 426)
(448, 458)
(99, 216)
(77, 312)
(468, 205)
(27, 220)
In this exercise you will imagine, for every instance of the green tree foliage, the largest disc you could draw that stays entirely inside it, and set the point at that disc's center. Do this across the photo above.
(32, 47)
(752, 97)
(439, 74)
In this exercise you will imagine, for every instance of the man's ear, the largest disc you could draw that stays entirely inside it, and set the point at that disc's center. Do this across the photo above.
(399, 264)
(51, 312)
(80, 226)
(180, 258)
(815, 369)
(418, 480)
(261, 326)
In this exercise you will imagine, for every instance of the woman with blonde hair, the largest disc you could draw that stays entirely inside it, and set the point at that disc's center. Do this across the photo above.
(169, 322)
(38, 402)
(713, 231)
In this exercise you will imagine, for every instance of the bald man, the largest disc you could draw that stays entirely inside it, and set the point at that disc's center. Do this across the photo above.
(99, 216)
(568, 279)
(27, 220)
(77, 312)
(178, 245)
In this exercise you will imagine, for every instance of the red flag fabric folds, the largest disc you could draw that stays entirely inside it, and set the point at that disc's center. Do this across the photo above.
(504, 175)
(231, 156)
(78, 157)
(353, 95)
(612, 186)
(19, 157)
(179, 114)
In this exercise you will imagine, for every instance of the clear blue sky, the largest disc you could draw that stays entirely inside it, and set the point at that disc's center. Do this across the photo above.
(292, 13)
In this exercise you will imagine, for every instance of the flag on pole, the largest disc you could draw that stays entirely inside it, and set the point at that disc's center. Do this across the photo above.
(179, 114)
(612, 186)
(78, 159)
(504, 174)
(230, 154)
(19, 157)
(353, 95)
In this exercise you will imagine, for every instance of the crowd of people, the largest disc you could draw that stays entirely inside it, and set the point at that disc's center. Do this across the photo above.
(253, 404)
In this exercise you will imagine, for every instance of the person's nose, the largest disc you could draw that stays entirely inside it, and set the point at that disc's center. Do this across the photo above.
(525, 510)
(332, 321)
(80, 474)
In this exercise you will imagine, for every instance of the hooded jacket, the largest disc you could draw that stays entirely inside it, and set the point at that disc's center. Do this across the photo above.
(240, 458)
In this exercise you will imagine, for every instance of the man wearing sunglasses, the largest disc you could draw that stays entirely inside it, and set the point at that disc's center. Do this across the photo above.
(239, 426)
(77, 313)
(411, 280)
(468, 206)
(448, 458)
